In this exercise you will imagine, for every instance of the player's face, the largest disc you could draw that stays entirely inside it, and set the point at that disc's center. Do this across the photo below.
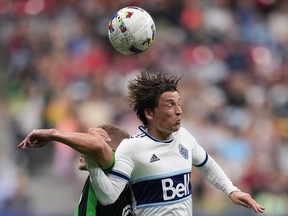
(166, 117)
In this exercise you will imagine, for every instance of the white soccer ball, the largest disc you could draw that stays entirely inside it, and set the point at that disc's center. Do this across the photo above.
(131, 30)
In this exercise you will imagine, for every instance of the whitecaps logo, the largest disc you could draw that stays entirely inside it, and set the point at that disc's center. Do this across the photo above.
(183, 151)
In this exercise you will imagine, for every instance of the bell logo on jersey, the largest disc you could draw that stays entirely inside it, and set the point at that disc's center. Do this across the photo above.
(162, 190)
(172, 191)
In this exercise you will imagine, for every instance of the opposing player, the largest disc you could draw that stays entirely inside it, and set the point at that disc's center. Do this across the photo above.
(157, 161)
(94, 146)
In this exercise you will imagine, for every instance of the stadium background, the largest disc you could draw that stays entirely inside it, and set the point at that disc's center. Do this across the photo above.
(59, 70)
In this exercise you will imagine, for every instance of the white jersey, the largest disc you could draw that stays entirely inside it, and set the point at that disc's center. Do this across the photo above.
(158, 172)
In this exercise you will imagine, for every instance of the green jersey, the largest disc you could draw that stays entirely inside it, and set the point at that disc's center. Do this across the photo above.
(89, 205)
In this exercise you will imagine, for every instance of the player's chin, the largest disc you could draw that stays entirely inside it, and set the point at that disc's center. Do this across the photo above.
(176, 127)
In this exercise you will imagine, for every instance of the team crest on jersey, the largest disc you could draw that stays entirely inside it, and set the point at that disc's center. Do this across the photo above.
(183, 151)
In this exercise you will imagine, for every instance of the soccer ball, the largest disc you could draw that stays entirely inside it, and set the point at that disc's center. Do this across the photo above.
(131, 30)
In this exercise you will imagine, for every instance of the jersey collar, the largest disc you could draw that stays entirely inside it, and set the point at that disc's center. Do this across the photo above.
(143, 129)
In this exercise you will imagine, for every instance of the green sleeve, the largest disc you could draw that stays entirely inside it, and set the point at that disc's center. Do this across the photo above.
(110, 165)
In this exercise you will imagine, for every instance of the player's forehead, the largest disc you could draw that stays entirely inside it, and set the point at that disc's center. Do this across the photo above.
(169, 96)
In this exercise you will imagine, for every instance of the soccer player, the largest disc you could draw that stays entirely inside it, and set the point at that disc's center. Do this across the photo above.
(99, 154)
(158, 160)
(89, 205)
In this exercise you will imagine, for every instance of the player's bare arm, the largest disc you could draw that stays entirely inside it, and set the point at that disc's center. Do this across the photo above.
(93, 143)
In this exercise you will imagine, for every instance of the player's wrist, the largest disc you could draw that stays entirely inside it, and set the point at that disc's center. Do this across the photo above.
(53, 133)
(233, 192)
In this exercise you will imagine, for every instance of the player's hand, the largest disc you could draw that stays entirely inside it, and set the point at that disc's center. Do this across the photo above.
(245, 199)
(101, 132)
(36, 139)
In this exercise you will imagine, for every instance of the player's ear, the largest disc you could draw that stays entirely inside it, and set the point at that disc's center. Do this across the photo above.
(149, 114)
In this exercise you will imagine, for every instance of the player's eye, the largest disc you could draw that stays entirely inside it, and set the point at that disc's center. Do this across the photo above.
(170, 104)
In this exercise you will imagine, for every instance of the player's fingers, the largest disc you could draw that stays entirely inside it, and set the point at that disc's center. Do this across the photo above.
(36, 144)
(257, 208)
(105, 136)
(243, 203)
(261, 209)
(92, 131)
(99, 131)
(254, 205)
(24, 143)
(20, 145)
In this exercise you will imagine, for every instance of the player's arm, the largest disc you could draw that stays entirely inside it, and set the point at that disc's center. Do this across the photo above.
(108, 188)
(216, 176)
(95, 145)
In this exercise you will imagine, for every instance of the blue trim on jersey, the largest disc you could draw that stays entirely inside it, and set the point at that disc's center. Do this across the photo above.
(166, 175)
(203, 163)
(162, 191)
(152, 137)
(164, 203)
(139, 135)
(120, 175)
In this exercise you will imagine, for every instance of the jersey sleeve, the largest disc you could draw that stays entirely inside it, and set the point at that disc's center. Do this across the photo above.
(124, 160)
(107, 189)
(199, 155)
(90, 163)
(210, 169)
(216, 176)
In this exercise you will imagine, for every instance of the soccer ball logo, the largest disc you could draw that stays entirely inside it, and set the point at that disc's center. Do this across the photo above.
(131, 30)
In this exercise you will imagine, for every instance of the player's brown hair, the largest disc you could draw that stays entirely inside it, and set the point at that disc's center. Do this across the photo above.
(145, 90)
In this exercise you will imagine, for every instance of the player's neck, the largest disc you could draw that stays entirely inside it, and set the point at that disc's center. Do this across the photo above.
(160, 135)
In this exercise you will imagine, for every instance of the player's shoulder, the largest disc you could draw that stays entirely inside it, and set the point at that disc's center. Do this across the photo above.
(130, 145)
(133, 139)
(140, 134)
(183, 132)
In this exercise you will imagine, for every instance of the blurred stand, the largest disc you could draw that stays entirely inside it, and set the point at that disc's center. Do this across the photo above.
(58, 69)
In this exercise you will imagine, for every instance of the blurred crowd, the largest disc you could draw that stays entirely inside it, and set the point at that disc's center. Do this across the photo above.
(59, 70)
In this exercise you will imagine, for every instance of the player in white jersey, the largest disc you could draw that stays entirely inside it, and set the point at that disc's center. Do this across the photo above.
(157, 162)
